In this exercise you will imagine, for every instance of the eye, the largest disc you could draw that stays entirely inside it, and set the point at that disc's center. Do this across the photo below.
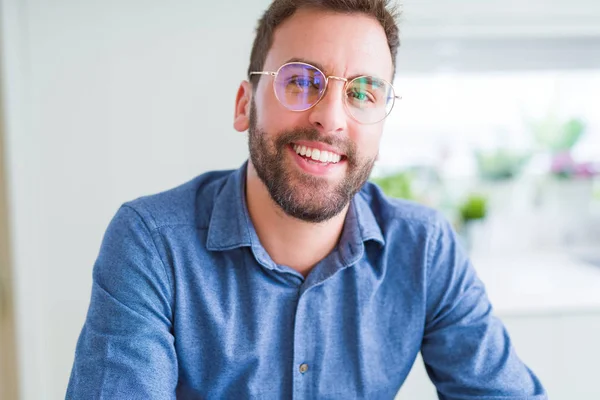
(300, 81)
(360, 96)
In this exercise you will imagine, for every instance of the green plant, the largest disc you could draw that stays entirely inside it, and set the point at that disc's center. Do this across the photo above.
(473, 208)
(555, 135)
(500, 164)
(396, 185)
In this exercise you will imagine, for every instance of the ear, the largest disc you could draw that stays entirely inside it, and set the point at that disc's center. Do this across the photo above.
(241, 119)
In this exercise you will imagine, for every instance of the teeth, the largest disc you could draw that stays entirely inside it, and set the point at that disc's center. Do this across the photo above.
(317, 155)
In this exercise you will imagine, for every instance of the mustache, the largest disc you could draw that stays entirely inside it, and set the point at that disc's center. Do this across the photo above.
(344, 145)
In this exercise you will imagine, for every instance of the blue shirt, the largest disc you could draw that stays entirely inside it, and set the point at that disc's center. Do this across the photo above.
(186, 303)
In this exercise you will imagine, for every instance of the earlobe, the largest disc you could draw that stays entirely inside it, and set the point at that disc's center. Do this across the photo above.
(241, 120)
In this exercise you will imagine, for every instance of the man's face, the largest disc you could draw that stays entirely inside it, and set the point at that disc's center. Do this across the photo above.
(343, 46)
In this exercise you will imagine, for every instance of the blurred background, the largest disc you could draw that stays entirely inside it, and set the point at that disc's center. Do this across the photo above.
(498, 127)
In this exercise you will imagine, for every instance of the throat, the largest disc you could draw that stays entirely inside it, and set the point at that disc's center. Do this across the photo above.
(298, 258)
(289, 241)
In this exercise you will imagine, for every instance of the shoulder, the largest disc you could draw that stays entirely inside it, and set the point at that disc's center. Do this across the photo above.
(188, 204)
(414, 234)
(393, 214)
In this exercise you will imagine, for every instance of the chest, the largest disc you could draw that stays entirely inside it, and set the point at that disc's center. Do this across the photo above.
(242, 332)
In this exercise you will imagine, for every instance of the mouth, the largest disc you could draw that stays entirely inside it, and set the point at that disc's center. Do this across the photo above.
(317, 156)
(319, 162)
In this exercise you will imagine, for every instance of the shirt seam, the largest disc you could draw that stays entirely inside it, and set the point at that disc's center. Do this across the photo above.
(162, 262)
(431, 222)
(432, 249)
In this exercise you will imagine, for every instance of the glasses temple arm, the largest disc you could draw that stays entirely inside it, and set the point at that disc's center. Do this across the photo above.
(263, 73)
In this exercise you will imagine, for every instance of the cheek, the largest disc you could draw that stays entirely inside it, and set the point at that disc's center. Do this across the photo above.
(271, 115)
(367, 142)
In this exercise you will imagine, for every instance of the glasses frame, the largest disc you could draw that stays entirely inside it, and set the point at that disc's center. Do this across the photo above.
(327, 77)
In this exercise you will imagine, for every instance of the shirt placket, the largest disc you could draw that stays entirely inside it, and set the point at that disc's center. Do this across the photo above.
(304, 369)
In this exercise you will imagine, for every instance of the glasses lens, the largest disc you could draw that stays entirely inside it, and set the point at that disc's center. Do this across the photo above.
(299, 86)
(369, 99)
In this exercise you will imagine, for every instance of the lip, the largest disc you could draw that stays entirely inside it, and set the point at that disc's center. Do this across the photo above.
(313, 168)
(319, 146)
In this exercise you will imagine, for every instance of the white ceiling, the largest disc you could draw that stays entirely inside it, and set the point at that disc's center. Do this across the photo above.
(477, 35)
(500, 18)
(499, 54)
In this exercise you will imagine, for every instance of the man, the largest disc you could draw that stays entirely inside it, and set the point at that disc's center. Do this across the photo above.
(291, 277)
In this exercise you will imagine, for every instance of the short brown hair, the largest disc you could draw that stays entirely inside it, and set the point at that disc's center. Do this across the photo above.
(280, 10)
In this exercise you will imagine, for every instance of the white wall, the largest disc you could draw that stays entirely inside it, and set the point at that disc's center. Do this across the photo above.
(106, 101)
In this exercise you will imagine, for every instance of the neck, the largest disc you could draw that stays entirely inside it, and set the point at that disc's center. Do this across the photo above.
(289, 241)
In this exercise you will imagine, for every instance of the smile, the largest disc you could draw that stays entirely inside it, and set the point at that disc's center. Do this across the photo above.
(317, 155)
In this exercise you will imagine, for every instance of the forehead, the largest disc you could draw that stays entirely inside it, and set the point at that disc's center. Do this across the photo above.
(341, 44)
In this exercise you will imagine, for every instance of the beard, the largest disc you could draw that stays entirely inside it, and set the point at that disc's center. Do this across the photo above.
(301, 195)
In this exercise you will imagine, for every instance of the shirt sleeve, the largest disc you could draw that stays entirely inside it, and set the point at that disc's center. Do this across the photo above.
(466, 349)
(126, 347)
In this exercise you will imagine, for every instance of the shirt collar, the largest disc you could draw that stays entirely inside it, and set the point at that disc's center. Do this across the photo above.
(230, 225)
(360, 226)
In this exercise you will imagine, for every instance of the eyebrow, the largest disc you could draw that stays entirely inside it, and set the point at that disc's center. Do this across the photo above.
(323, 69)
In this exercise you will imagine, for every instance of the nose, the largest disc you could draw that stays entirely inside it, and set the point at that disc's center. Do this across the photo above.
(329, 114)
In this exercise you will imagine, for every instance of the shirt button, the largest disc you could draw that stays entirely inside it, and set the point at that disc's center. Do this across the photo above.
(303, 368)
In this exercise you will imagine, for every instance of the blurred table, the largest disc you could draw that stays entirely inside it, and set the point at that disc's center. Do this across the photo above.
(542, 282)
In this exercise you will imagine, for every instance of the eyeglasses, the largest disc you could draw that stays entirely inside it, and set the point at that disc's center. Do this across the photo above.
(299, 86)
